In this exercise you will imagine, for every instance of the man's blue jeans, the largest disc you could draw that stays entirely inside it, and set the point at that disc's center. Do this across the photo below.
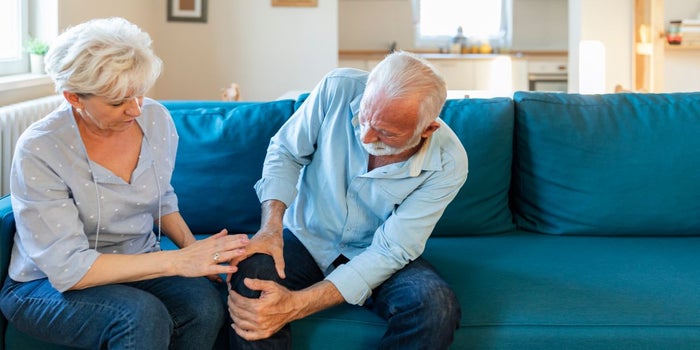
(421, 310)
(161, 313)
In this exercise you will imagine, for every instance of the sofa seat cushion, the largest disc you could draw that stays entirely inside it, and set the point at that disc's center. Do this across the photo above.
(485, 127)
(346, 327)
(573, 292)
(622, 164)
(220, 155)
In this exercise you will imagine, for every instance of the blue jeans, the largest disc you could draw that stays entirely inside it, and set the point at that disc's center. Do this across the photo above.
(421, 310)
(161, 313)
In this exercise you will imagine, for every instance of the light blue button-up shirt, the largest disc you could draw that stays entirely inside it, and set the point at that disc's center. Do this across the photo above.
(59, 196)
(379, 219)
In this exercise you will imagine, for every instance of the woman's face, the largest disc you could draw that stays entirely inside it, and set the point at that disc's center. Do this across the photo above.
(106, 115)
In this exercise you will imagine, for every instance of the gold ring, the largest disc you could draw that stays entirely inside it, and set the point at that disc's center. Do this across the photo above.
(216, 257)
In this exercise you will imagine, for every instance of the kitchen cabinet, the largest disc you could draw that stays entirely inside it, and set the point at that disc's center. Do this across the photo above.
(519, 73)
(500, 75)
(365, 64)
(492, 74)
(353, 63)
(458, 73)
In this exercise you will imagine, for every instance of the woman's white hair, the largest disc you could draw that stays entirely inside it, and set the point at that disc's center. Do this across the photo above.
(402, 75)
(108, 57)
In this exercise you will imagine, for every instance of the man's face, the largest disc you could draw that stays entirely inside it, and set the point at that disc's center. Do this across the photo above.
(390, 127)
(380, 148)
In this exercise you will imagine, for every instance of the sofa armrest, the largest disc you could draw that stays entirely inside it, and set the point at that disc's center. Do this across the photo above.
(7, 234)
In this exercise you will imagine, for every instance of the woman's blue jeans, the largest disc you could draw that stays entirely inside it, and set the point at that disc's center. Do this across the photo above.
(161, 313)
(421, 310)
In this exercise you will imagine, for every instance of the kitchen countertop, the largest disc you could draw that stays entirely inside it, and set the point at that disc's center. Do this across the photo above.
(378, 55)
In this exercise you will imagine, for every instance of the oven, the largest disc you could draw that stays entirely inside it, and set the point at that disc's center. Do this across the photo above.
(546, 75)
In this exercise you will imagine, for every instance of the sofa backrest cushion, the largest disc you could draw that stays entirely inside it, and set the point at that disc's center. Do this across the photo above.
(219, 159)
(613, 164)
(485, 127)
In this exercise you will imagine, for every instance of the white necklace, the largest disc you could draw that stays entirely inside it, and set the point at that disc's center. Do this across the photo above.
(97, 194)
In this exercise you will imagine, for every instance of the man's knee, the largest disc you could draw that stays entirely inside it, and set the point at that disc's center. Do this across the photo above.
(435, 303)
(258, 266)
(446, 306)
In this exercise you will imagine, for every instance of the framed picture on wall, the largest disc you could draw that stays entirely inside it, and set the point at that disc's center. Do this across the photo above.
(294, 3)
(187, 10)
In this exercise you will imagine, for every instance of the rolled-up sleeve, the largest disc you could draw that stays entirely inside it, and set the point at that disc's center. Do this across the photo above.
(402, 237)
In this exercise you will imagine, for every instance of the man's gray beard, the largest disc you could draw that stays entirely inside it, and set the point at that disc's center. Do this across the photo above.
(381, 149)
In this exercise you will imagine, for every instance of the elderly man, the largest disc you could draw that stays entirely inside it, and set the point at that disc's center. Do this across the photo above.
(352, 186)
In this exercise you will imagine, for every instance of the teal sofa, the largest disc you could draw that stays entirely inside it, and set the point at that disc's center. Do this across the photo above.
(578, 227)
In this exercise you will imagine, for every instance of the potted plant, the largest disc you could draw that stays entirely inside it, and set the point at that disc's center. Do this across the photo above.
(36, 49)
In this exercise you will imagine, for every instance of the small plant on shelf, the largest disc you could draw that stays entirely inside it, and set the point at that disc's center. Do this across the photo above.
(36, 49)
(36, 46)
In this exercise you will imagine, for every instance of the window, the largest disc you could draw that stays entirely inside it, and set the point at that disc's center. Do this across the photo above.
(13, 25)
(437, 21)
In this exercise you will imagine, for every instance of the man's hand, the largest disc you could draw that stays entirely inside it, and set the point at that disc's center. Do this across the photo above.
(255, 319)
(268, 240)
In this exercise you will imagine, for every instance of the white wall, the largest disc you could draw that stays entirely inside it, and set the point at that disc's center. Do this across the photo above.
(540, 25)
(607, 21)
(374, 25)
(141, 13)
(266, 50)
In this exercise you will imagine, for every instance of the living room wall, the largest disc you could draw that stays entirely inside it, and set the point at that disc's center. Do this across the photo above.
(266, 50)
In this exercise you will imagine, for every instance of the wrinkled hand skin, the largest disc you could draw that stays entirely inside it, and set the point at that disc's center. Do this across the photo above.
(256, 319)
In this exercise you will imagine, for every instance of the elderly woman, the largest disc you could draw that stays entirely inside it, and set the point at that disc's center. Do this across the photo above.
(88, 183)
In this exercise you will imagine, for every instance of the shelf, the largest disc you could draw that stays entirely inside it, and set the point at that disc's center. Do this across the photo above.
(682, 47)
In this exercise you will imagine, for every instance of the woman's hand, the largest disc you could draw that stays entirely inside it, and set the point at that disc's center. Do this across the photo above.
(206, 257)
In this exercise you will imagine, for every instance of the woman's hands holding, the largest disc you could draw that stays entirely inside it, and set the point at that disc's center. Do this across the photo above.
(206, 257)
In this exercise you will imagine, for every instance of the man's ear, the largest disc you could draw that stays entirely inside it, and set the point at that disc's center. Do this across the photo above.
(430, 129)
(73, 99)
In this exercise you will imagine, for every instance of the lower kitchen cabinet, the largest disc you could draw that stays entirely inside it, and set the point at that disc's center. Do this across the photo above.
(499, 75)
(458, 73)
